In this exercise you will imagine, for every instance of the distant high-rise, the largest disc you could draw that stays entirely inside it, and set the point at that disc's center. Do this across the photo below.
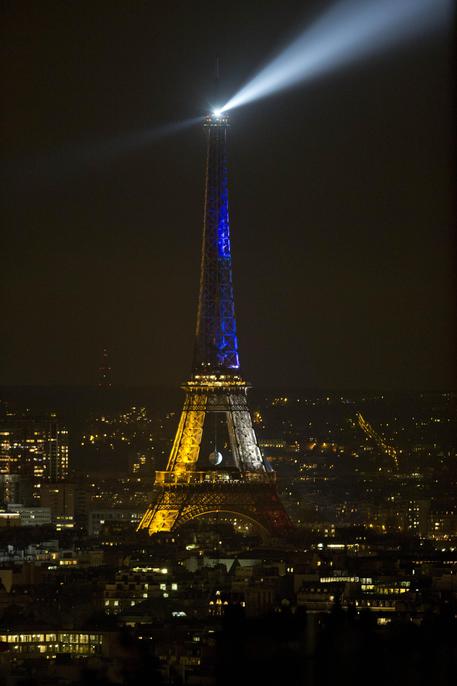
(104, 371)
(16, 488)
(34, 447)
(67, 502)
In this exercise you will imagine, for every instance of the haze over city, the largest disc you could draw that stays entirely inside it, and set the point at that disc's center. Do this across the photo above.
(340, 199)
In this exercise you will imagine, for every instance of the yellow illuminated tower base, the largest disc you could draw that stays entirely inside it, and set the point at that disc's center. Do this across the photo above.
(215, 464)
(247, 489)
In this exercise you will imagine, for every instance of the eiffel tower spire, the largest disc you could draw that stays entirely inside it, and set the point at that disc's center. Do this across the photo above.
(216, 344)
(215, 464)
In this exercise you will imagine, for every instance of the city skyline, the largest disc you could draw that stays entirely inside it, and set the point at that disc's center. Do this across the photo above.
(217, 472)
(353, 275)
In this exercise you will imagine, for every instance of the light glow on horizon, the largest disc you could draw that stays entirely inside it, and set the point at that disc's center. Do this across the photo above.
(348, 31)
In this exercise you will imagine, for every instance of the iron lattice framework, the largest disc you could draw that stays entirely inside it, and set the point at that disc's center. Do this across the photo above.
(184, 490)
(216, 345)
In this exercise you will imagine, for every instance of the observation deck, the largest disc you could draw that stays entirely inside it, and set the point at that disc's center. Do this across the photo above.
(217, 119)
(167, 478)
(213, 382)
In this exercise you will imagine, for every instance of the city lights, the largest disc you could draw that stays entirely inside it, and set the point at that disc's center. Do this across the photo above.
(296, 533)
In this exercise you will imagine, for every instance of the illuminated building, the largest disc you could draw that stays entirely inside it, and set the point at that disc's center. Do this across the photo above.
(67, 503)
(217, 605)
(417, 517)
(215, 464)
(10, 519)
(35, 447)
(443, 525)
(97, 519)
(141, 464)
(132, 587)
(52, 642)
(16, 488)
(31, 516)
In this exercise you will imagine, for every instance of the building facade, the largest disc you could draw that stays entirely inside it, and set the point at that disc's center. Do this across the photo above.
(34, 447)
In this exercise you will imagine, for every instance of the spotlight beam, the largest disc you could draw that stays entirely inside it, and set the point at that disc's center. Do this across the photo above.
(78, 157)
(348, 31)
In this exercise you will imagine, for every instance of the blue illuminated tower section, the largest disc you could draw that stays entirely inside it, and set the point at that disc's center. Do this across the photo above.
(216, 346)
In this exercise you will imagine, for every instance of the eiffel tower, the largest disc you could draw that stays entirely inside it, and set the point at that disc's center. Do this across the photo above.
(215, 464)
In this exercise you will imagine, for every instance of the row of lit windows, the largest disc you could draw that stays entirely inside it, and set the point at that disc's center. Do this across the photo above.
(60, 637)
(384, 591)
(134, 586)
(53, 649)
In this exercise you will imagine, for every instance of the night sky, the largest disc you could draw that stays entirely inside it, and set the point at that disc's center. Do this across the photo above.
(340, 195)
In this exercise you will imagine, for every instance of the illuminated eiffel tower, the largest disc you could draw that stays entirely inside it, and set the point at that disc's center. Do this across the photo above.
(215, 464)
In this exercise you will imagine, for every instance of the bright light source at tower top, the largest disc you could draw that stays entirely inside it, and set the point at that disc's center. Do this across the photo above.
(217, 113)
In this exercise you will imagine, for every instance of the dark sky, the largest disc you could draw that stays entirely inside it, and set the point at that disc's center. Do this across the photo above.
(340, 196)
